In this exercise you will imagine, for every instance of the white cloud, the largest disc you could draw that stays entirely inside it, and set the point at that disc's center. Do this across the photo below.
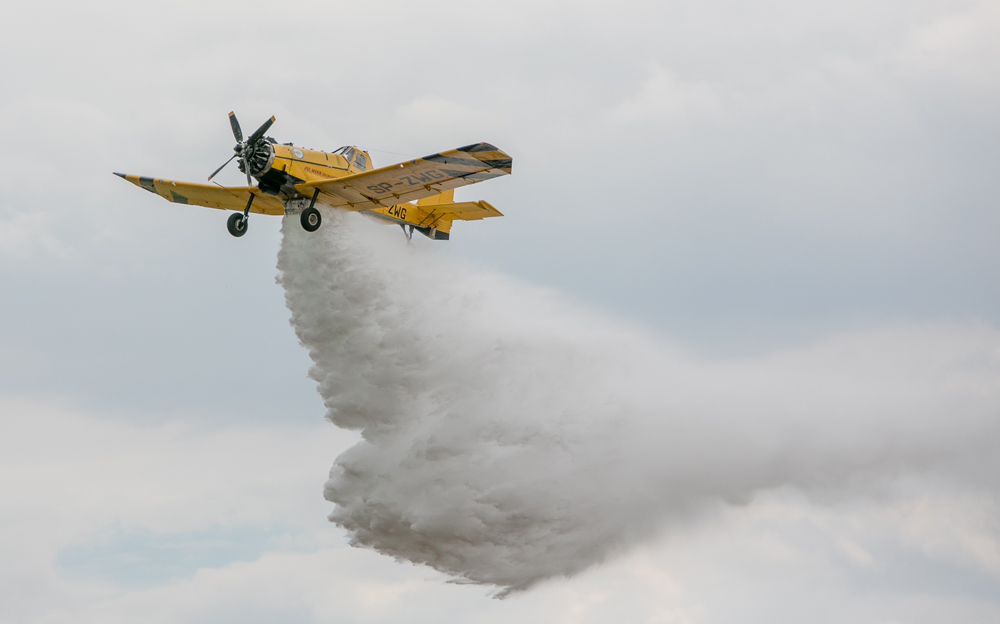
(961, 45)
(664, 99)
(28, 236)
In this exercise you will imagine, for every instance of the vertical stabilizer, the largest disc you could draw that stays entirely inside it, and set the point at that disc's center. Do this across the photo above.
(448, 197)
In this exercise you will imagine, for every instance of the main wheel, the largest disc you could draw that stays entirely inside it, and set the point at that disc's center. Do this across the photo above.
(237, 224)
(311, 219)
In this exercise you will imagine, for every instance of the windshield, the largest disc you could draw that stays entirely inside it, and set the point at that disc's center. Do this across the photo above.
(347, 152)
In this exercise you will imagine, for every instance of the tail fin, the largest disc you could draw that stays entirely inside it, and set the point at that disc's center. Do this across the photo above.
(448, 197)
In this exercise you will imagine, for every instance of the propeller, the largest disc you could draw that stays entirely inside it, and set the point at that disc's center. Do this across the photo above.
(222, 167)
(244, 149)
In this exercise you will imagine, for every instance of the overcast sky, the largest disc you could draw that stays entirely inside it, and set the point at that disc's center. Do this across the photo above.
(736, 179)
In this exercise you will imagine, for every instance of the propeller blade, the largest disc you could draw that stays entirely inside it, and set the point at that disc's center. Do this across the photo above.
(222, 167)
(260, 131)
(237, 132)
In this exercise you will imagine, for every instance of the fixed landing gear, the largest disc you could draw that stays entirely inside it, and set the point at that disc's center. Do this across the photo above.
(237, 224)
(311, 219)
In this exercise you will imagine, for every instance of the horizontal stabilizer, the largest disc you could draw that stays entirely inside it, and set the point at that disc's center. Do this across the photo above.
(434, 219)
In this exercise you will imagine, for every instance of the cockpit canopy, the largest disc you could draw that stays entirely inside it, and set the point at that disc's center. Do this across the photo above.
(353, 154)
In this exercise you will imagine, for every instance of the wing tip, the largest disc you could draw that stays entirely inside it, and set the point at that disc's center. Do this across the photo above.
(489, 207)
(120, 175)
(479, 147)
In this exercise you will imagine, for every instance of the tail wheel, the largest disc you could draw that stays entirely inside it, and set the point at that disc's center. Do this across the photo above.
(237, 224)
(311, 219)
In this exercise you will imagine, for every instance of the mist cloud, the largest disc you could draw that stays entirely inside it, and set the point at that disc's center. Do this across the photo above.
(509, 436)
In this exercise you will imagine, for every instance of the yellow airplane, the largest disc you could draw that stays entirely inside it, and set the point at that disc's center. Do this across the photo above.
(292, 180)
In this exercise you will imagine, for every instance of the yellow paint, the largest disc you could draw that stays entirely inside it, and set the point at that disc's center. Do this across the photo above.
(387, 193)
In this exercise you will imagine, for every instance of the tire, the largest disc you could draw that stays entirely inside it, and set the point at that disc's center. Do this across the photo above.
(311, 219)
(237, 224)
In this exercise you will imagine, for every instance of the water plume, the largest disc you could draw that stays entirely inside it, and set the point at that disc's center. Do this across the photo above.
(510, 435)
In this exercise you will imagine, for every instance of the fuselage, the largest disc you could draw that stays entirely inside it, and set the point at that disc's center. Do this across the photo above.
(282, 166)
(287, 165)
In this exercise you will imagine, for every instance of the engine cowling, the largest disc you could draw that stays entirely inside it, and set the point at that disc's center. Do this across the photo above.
(257, 158)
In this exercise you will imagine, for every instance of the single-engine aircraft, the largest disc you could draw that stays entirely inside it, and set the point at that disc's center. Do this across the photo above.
(292, 180)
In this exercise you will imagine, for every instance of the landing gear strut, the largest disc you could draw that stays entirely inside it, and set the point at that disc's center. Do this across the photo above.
(237, 222)
(311, 219)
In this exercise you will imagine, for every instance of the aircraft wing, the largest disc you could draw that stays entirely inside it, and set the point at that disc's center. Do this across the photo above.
(411, 180)
(210, 195)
